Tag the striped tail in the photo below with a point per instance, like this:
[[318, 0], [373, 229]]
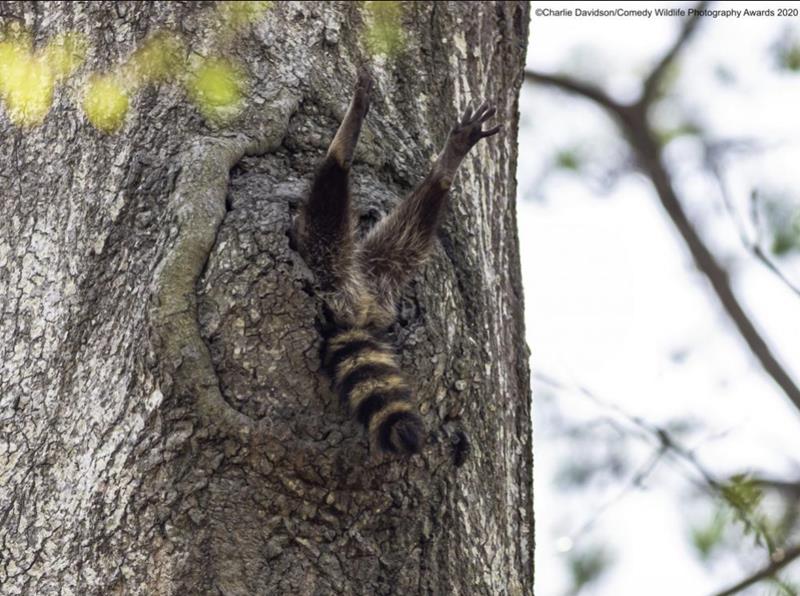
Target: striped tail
[[369, 382]]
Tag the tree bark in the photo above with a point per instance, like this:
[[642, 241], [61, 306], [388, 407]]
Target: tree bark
[[164, 425]]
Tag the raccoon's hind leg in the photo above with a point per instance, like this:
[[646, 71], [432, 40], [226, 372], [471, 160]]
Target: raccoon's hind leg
[[325, 225]]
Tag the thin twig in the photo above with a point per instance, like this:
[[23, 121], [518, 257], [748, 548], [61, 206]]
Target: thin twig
[[660, 435], [752, 246], [636, 480], [779, 559], [668, 445]]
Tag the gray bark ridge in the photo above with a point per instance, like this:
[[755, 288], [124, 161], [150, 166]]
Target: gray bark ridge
[[164, 426]]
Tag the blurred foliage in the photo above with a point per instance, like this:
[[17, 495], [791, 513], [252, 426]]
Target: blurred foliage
[[65, 53], [784, 588], [782, 216], [105, 102], [665, 135], [587, 566], [160, 58], [598, 162], [384, 34], [708, 538], [668, 82], [230, 18], [213, 81], [217, 88], [568, 159], [725, 74], [786, 50], [28, 86], [744, 495], [106, 98], [783, 243], [28, 78], [236, 14]]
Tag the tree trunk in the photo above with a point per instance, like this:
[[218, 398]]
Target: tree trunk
[[164, 424]]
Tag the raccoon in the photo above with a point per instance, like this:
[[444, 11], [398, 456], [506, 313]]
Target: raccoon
[[361, 280]]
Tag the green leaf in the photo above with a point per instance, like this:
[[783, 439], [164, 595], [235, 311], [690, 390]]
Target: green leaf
[[567, 159], [784, 243], [706, 539], [683, 130], [782, 221], [786, 51], [587, 566], [742, 493], [785, 588]]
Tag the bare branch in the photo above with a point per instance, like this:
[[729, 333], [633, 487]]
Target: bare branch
[[656, 76], [599, 96], [586, 90], [779, 559], [789, 489], [643, 141], [648, 152]]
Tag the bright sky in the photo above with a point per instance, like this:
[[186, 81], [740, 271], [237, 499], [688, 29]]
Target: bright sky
[[614, 303]]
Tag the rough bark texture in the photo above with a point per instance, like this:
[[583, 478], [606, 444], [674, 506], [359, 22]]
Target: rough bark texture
[[164, 428]]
